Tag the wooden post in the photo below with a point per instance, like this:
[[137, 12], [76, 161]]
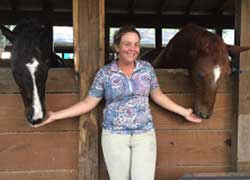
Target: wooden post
[[88, 21], [158, 37], [219, 31], [107, 49], [243, 150], [235, 90]]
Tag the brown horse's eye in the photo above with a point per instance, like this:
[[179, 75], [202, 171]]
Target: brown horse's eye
[[199, 77]]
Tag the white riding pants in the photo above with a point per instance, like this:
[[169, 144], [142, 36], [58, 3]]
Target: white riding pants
[[129, 157]]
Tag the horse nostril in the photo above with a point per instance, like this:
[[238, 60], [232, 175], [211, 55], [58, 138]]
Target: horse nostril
[[203, 115], [200, 115], [29, 116], [36, 121]]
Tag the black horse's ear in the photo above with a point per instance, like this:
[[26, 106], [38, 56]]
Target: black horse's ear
[[7, 33]]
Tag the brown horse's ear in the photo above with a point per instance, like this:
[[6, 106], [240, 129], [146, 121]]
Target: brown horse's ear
[[235, 50]]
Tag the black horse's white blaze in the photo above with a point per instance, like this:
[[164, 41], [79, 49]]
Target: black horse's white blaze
[[36, 104]]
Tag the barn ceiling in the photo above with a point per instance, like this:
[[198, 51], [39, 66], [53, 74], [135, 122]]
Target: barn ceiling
[[139, 12], [171, 13], [59, 11], [178, 7]]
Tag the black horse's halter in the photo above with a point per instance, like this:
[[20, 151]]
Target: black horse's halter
[[238, 71]]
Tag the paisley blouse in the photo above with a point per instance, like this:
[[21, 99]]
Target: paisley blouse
[[127, 108]]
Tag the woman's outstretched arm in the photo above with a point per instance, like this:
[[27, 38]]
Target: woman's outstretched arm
[[165, 102], [77, 109]]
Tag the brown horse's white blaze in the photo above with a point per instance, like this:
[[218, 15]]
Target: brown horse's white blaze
[[36, 104], [205, 87], [216, 73]]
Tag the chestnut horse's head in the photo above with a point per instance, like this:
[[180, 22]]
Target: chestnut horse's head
[[206, 57], [31, 55], [209, 67]]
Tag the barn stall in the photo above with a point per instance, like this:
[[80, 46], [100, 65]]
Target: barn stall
[[69, 149]]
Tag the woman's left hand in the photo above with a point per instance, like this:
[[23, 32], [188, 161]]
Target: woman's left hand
[[190, 116]]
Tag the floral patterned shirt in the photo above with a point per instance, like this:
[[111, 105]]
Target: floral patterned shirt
[[127, 108]]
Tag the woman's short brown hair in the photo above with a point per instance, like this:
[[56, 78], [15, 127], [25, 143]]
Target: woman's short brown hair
[[123, 30]]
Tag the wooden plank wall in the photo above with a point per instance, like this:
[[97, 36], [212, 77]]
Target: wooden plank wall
[[49, 152]]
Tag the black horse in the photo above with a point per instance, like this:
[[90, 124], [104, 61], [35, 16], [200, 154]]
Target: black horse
[[31, 57]]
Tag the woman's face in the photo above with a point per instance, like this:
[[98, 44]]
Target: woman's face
[[129, 47]]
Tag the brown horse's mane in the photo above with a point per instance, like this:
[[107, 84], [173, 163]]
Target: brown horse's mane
[[190, 41]]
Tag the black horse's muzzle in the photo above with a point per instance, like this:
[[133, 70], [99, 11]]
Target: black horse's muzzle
[[31, 119]]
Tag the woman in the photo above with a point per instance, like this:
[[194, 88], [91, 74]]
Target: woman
[[128, 135]]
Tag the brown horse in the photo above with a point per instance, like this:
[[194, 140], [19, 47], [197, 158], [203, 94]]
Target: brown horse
[[206, 57]]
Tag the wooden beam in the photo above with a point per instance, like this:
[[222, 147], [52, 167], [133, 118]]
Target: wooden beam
[[189, 7], [89, 48], [65, 18], [47, 7], [243, 150], [107, 46], [235, 89], [219, 31], [162, 6], [13, 4], [131, 6], [158, 37], [56, 18], [171, 21], [220, 7]]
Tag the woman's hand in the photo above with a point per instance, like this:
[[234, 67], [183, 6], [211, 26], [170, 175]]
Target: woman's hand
[[190, 116], [49, 119]]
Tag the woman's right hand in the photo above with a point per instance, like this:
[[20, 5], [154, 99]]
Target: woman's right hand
[[49, 119], [190, 116]]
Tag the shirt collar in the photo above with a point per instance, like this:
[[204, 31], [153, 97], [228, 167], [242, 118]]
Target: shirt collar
[[138, 65]]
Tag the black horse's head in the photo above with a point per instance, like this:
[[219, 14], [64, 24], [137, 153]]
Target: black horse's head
[[31, 56]]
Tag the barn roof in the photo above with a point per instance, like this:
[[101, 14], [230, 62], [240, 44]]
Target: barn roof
[[139, 12], [177, 7]]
